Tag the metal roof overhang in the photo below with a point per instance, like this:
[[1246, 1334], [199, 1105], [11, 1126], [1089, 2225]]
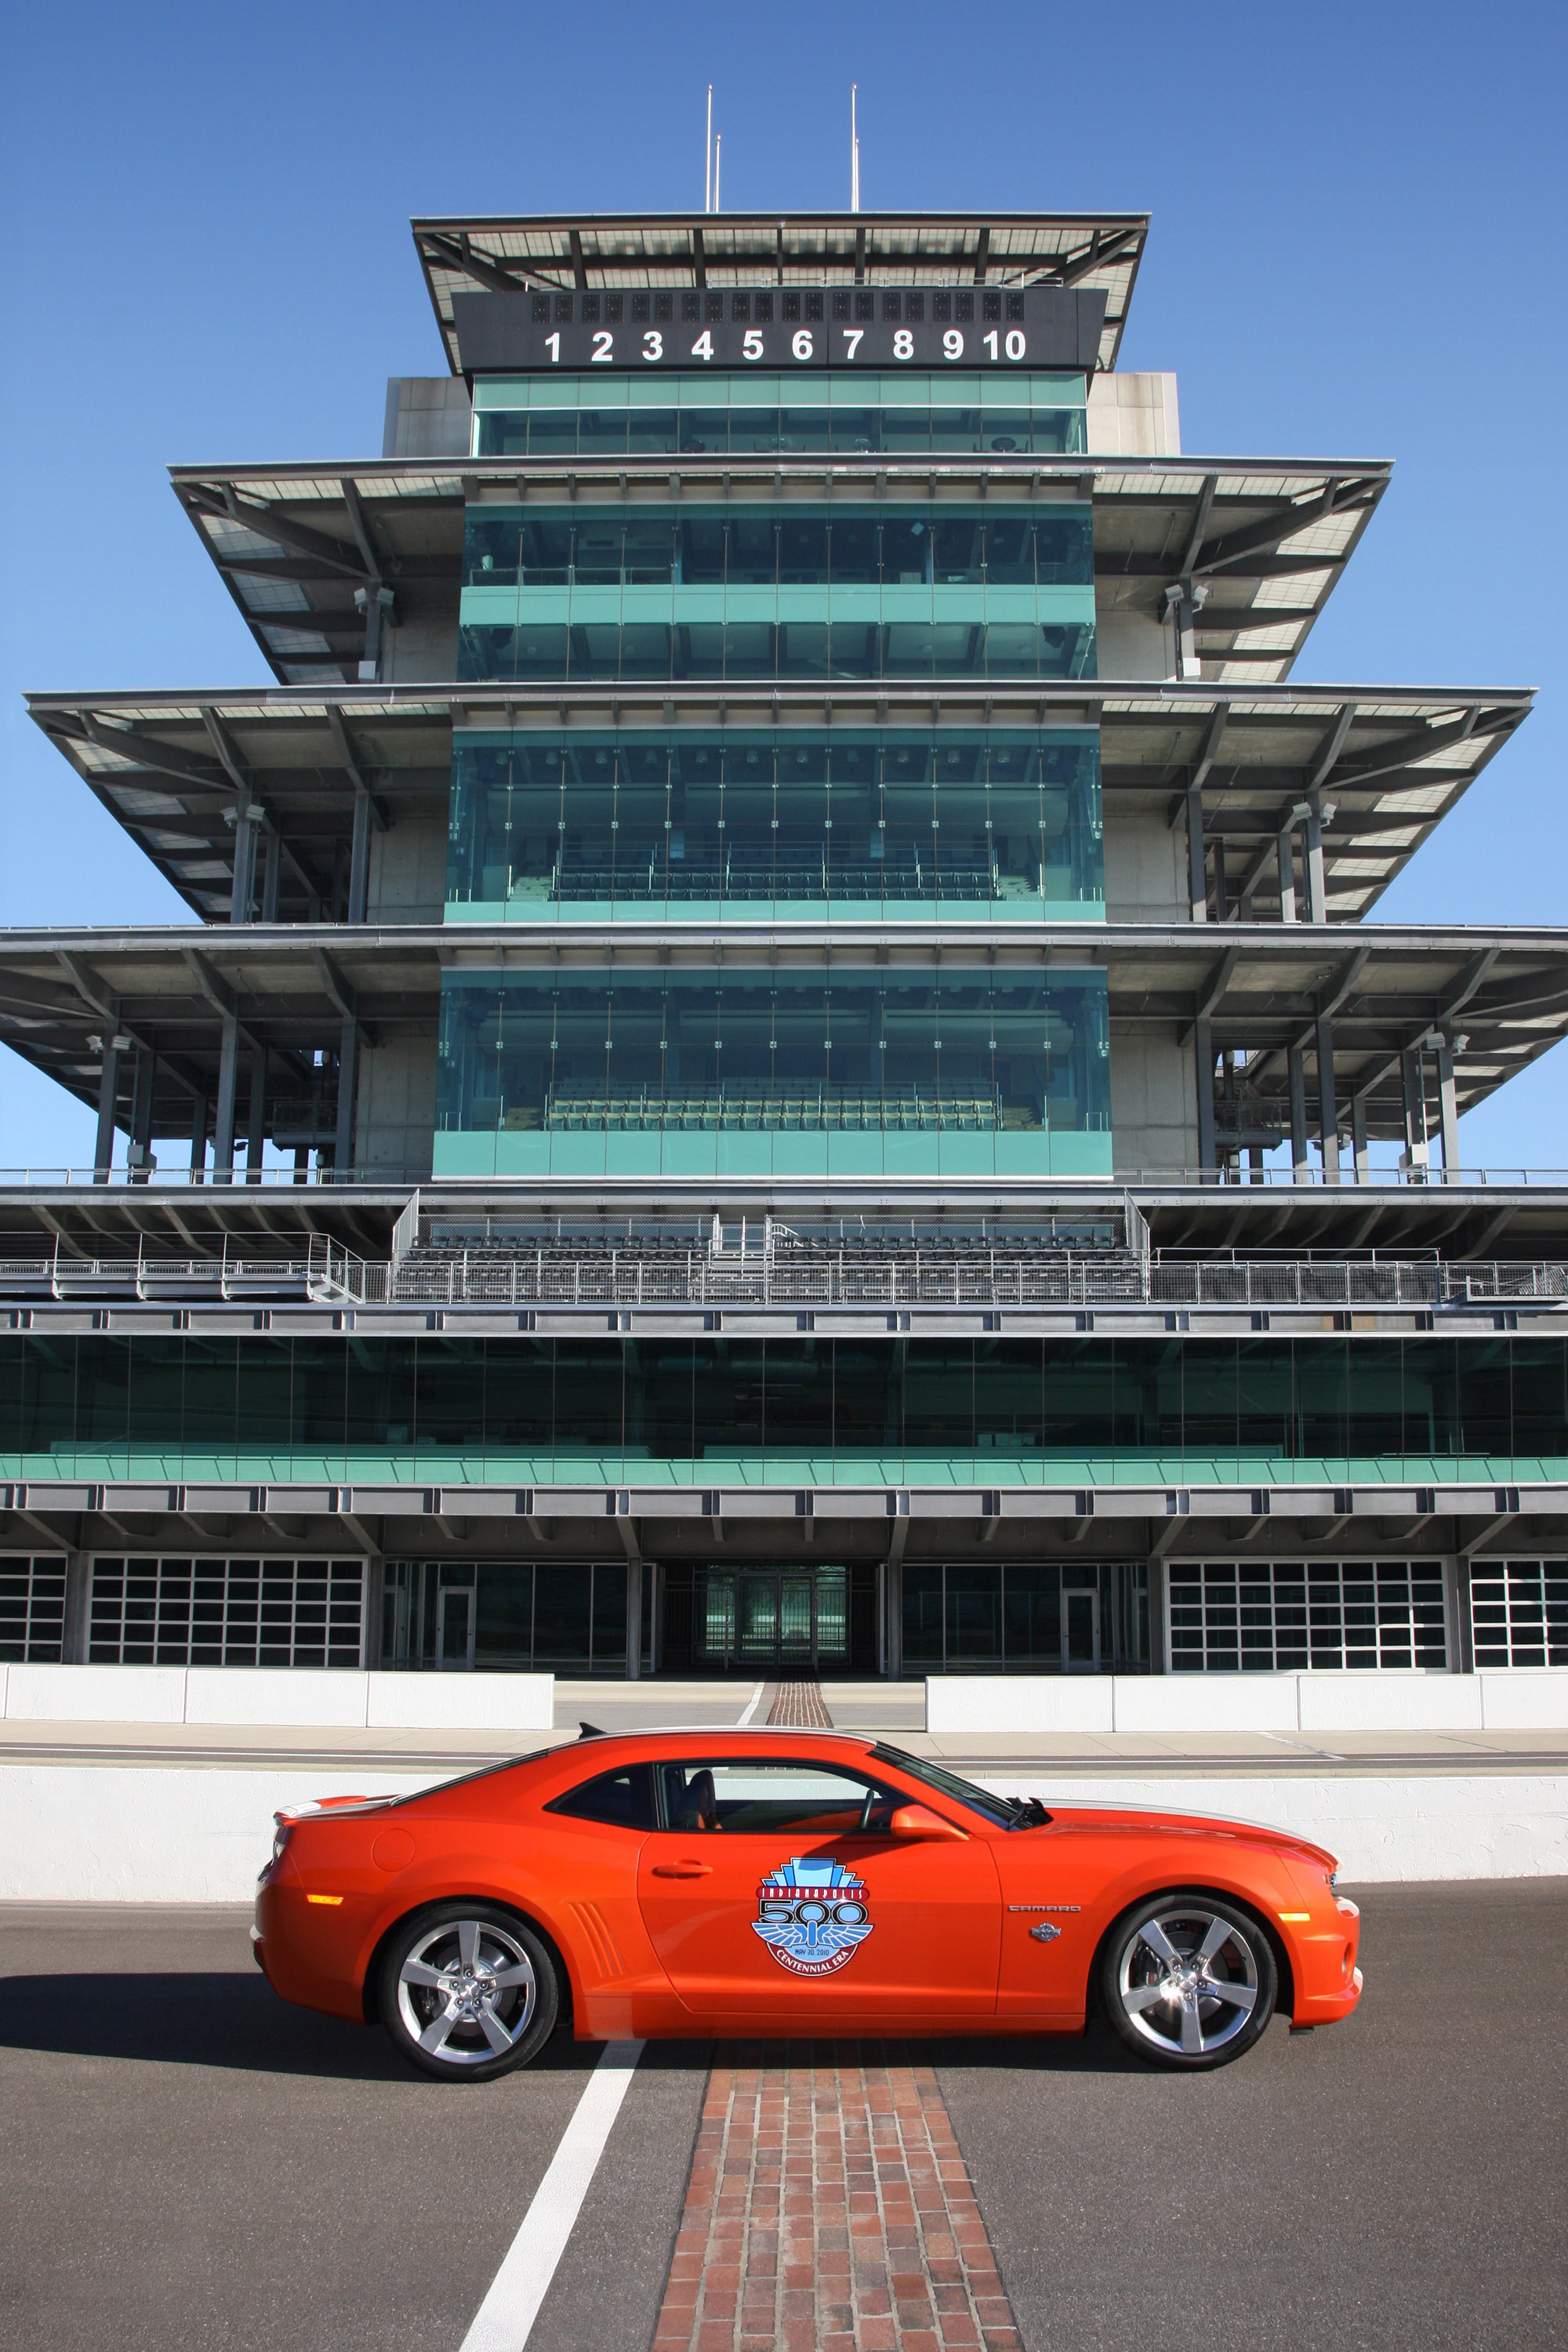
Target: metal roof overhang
[[1500, 997], [567, 252], [168, 767], [1266, 539]]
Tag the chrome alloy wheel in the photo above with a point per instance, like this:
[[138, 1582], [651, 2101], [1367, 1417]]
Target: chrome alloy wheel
[[467, 1992], [1188, 1981]]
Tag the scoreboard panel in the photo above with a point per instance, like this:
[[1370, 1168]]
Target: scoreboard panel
[[779, 328]]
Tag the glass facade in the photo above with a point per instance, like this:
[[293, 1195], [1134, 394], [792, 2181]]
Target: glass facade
[[622, 594], [208, 1612], [508, 1616], [801, 1411], [1028, 1617], [899, 416], [730, 1072], [32, 1608], [1519, 1611], [769, 826], [1285, 1616]]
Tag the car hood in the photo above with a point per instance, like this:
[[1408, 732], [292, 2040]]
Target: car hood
[[1107, 1822]]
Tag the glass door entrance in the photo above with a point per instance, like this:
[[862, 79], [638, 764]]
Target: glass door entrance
[[1080, 1633], [768, 1621]]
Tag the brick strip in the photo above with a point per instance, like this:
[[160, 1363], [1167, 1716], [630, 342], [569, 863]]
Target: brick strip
[[829, 2210], [800, 1706]]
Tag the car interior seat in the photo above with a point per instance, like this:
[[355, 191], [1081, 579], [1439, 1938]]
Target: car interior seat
[[701, 1808]]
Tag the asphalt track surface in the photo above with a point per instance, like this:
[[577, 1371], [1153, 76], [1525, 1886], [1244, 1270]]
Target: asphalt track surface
[[186, 2163]]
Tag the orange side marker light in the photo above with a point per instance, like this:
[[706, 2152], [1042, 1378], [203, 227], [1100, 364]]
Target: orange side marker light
[[324, 1898]]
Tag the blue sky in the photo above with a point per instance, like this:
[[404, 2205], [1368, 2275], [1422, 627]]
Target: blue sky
[[1356, 252]]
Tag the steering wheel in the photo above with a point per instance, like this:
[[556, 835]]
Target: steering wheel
[[867, 1809]]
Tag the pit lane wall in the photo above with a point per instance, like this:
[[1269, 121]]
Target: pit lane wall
[[332, 1698], [1517, 1699], [136, 1833]]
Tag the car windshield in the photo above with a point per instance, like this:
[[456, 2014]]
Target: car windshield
[[1005, 1812]]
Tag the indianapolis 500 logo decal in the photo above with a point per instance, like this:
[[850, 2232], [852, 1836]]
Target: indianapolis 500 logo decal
[[811, 1913]]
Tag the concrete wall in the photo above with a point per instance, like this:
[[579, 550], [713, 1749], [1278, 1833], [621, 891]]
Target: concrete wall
[[1325, 1702], [1127, 644], [277, 1696], [407, 877], [419, 652], [1133, 416], [1145, 861], [1379, 1827], [1154, 1098], [395, 1114], [134, 1833], [427, 417]]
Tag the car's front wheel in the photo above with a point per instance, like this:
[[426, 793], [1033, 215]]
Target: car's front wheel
[[1188, 1980], [467, 1992]]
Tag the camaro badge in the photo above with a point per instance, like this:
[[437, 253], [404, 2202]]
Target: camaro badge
[[811, 1913]]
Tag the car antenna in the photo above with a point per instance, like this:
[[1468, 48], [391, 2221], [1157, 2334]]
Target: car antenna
[[589, 1730]]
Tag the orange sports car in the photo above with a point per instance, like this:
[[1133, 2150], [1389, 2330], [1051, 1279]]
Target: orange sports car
[[678, 1882]]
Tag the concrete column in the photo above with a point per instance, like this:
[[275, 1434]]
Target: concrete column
[[1221, 888], [1413, 1073], [634, 1620], [108, 1086], [1295, 1063], [358, 856], [895, 1618], [1358, 1139], [1203, 1065], [255, 1118], [1328, 1107], [1158, 1659], [244, 863], [1449, 1112], [228, 1081], [348, 1081], [274, 871], [370, 1630], [1287, 877], [198, 1139], [1197, 864], [79, 1608], [140, 1143], [1317, 893]]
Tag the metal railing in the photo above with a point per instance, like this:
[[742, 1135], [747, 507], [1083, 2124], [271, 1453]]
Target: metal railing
[[327, 1274], [971, 1278], [975, 1279], [1138, 1179]]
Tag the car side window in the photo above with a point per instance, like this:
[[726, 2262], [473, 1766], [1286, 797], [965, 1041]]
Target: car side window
[[623, 1799], [751, 1798]]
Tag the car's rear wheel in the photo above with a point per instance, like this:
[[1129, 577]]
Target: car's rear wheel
[[1188, 1980], [467, 1992]]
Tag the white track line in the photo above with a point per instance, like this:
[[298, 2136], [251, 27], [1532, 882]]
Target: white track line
[[504, 2321], [755, 1703]]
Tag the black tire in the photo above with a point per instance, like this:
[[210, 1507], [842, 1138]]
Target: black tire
[[1220, 1965], [480, 1973]]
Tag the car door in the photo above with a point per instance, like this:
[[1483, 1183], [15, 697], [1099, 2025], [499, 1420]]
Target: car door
[[777, 1891]]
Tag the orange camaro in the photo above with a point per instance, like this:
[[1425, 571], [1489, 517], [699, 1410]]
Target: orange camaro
[[680, 1883]]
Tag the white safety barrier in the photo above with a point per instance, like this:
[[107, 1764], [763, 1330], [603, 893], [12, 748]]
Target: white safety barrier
[[1381, 1827], [287, 1696], [1517, 1700], [135, 1834]]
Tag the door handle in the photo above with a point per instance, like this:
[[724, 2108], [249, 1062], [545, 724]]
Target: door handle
[[683, 1870]]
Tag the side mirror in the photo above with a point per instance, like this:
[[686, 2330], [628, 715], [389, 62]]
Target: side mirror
[[919, 1821]]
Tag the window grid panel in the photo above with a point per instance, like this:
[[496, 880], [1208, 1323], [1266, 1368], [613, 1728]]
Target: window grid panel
[[221, 1612], [1518, 1612], [1293, 1616], [32, 1608]]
